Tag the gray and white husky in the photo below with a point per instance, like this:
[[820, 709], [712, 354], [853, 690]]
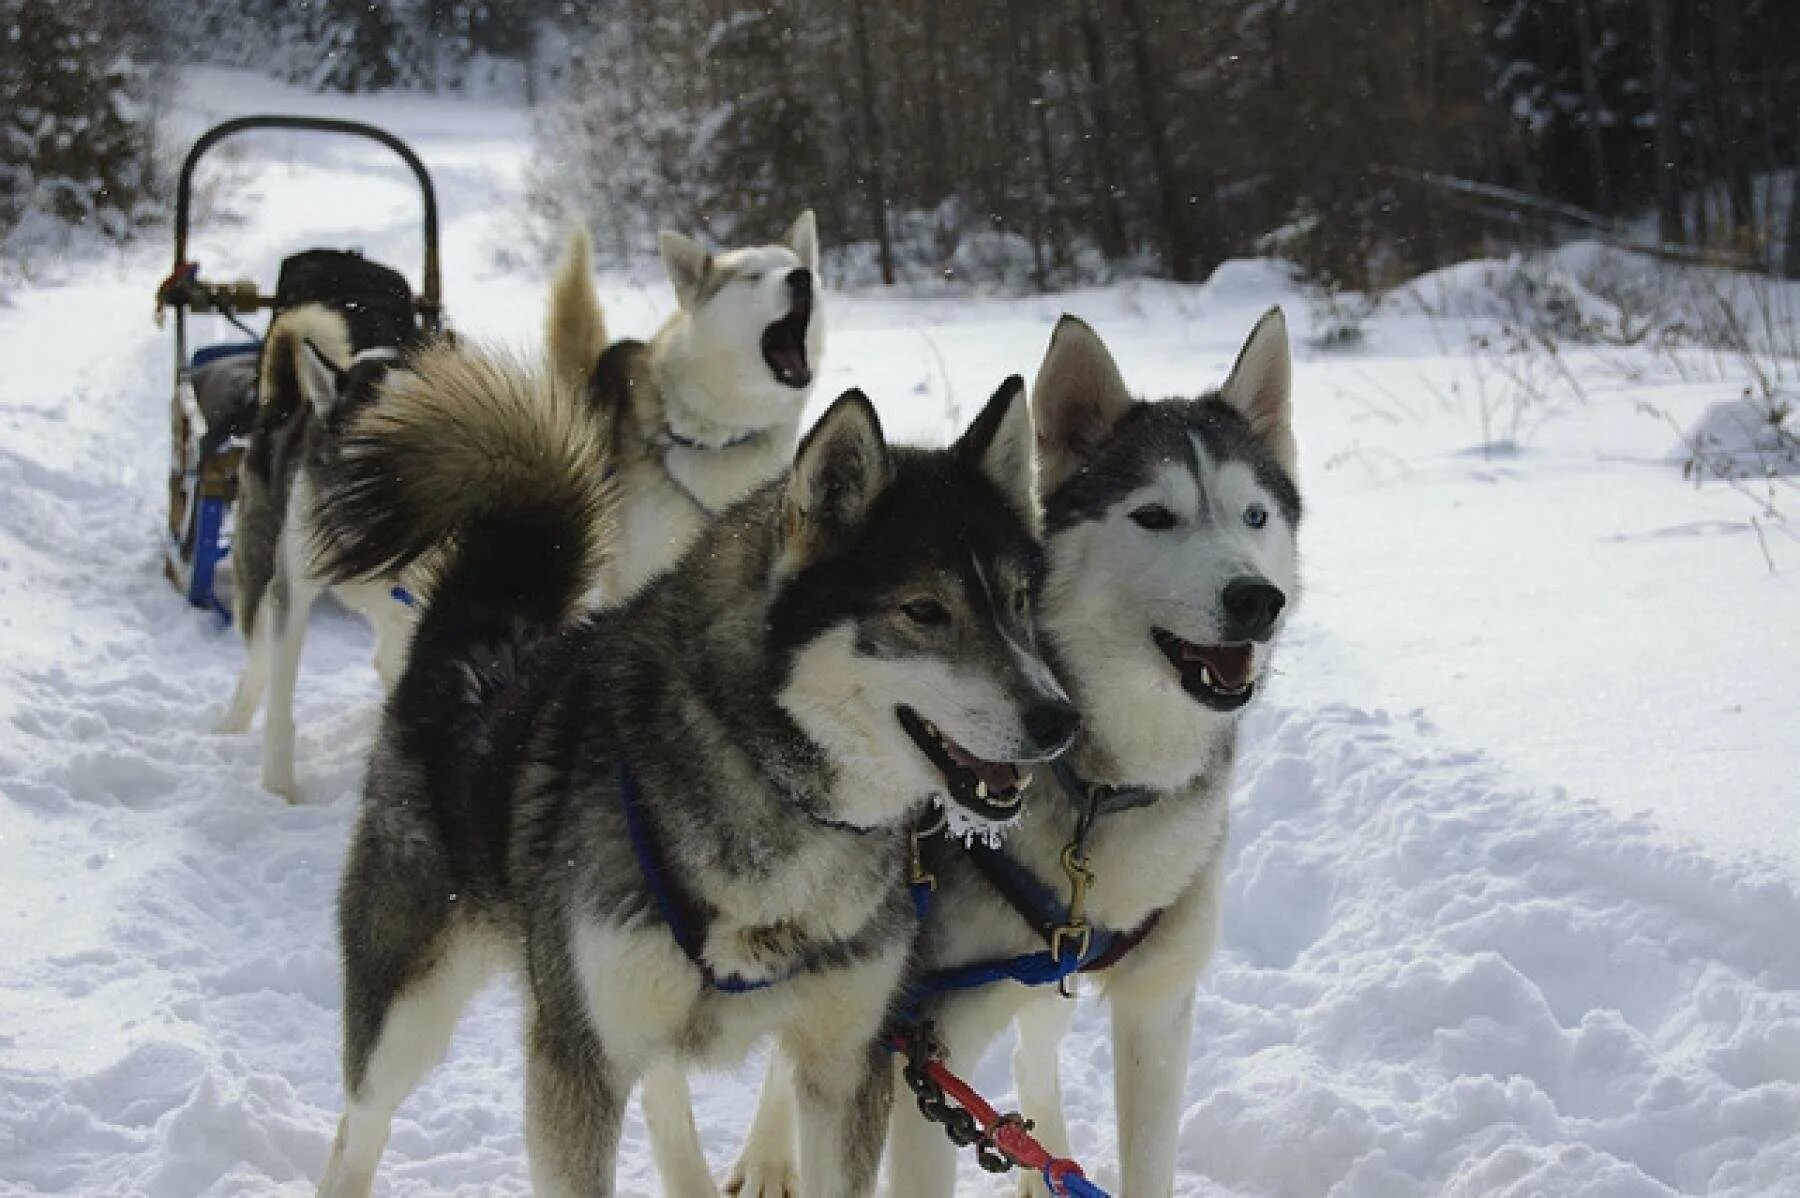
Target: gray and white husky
[[1170, 540], [310, 385], [708, 409], [682, 820]]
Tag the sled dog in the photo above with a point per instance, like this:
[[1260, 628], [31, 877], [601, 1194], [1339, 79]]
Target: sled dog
[[682, 820], [708, 409], [1170, 541], [310, 387]]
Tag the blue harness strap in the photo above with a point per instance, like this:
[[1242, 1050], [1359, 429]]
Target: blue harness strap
[[1074, 945], [676, 910]]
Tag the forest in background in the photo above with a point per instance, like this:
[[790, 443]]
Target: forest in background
[[1026, 145]]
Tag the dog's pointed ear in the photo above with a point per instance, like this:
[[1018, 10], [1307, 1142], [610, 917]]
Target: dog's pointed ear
[[840, 469], [1261, 387], [803, 239], [320, 378], [1077, 399], [686, 262], [999, 444]]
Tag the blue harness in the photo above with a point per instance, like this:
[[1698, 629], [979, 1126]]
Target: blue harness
[[678, 911], [1072, 943]]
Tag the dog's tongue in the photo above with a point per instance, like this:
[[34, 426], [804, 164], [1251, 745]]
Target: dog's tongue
[[1000, 776], [1230, 664]]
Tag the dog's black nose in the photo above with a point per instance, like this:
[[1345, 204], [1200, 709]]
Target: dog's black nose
[[799, 282], [1052, 725], [1251, 607]]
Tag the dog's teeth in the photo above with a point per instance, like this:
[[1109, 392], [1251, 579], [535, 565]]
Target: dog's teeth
[[1206, 676], [981, 790]]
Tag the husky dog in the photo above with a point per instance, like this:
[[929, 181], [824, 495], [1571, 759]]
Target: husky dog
[[708, 410], [683, 820], [310, 386], [1170, 541]]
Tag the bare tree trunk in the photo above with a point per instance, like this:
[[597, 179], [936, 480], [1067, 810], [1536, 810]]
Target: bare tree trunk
[[1734, 153], [1791, 253], [1590, 86], [1178, 246], [1048, 207], [875, 156], [937, 161], [1668, 154], [1105, 162]]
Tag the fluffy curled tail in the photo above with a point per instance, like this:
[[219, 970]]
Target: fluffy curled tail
[[483, 473], [575, 329], [307, 346]]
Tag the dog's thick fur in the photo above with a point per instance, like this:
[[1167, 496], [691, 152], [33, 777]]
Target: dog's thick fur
[[699, 416], [748, 698], [1108, 463], [310, 385]]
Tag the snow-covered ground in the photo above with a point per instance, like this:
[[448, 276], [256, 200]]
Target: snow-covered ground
[[1515, 881]]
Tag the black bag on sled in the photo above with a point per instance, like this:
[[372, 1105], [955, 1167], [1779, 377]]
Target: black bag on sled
[[375, 299]]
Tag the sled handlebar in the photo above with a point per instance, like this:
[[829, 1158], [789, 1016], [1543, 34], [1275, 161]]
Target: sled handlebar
[[430, 302]]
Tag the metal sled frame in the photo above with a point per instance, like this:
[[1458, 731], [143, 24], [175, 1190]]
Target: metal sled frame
[[202, 486]]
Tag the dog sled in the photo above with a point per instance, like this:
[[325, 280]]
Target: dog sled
[[214, 404]]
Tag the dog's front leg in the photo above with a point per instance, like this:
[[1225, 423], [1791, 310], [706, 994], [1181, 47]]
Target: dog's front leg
[[674, 1140], [393, 637], [1042, 1022], [1152, 995], [765, 1168], [842, 1095], [251, 683], [921, 1159], [288, 605]]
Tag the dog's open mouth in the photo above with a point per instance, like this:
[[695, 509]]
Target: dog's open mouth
[[1217, 675], [989, 789], [784, 348]]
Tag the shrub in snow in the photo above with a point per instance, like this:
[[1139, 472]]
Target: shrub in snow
[[75, 128]]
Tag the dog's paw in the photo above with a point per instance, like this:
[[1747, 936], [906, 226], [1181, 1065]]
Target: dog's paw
[[763, 1178], [282, 786], [1031, 1185], [233, 722]]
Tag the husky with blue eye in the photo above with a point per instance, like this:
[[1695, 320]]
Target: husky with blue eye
[[682, 820], [1170, 541], [709, 408]]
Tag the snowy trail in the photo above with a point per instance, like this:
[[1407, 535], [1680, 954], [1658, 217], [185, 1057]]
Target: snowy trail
[[1441, 974]]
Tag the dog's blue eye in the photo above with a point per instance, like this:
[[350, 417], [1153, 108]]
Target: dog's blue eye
[[1154, 516], [927, 613], [1256, 515]]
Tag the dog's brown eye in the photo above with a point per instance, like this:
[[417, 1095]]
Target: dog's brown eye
[[1154, 516], [927, 613]]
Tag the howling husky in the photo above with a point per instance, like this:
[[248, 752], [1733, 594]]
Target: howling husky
[[683, 819], [708, 409]]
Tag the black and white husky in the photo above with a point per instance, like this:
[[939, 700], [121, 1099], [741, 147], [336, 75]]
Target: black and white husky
[[1170, 540], [682, 820], [708, 409], [310, 386]]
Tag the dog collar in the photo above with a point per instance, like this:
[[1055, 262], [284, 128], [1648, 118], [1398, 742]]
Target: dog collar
[[684, 442], [1096, 799]]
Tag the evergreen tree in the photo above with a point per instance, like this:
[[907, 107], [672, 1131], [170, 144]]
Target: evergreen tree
[[75, 138]]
